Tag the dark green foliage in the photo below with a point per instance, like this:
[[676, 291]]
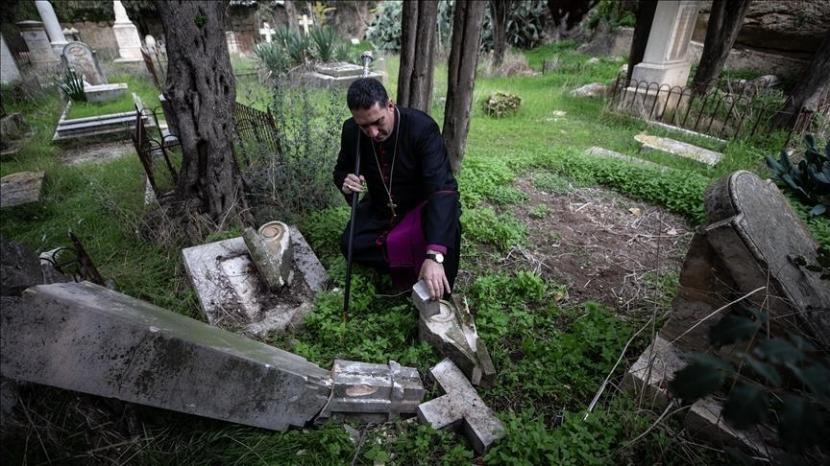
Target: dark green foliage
[[525, 25], [809, 180], [385, 29], [72, 85], [501, 104], [786, 383], [325, 41]]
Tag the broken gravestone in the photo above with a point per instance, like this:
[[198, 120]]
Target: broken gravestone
[[87, 338], [374, 393], [19, 268], [233, 294], [272, 253], [21, 188], [461, 405], [680, 149], [449, 327], [753, 239]]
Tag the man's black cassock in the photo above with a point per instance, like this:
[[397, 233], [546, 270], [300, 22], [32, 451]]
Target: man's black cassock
[[421, 173]]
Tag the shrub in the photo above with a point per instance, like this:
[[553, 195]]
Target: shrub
[[72, 85], [810, 179], [325, 43], [385, 29], [273, 57], [501, 104]]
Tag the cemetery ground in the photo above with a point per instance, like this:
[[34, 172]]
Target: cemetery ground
[[565, 259]]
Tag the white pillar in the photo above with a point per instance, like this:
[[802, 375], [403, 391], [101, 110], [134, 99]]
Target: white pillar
[[126, 35], [51, 24], [666, 59], [9, 72]]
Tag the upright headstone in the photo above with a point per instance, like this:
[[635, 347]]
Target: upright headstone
[[126, 35], [52, 25], [666, 60], [233, 43], [9, 72], [82, 58], [41, 55]]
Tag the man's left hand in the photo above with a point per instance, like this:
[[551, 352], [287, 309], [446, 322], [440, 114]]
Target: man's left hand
[[436, 279]]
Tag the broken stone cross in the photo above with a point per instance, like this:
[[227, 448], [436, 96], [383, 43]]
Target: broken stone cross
[[449, 327], [461, 404]]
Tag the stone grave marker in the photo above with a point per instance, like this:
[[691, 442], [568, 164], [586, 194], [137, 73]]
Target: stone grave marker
[[267, 32], [233, 293], [21, 188], [460, 405], [82, 58], [41, 55], [305, 23], [337, 75], [449, 327], [680, 149], [233, 43], [19, 268], [87, 338], [126, 35], [9, 72], [753, 238]]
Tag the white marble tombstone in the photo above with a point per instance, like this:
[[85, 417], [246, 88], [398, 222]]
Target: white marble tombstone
[[666, 59], [52, 26], [9, 72], [233, 43], [126, 35]]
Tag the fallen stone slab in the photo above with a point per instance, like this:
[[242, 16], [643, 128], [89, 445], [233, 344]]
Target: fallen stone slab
[[461, 406], [87, 338], [753, 239], [595, 151], [233, 294], [449, 327], [680, 149], [705, 420], [19, 268], [21, 188], [653, 371], [372, 392], [590, 90]]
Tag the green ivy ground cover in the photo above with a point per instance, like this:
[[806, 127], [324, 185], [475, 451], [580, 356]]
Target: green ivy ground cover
[[551, 360]]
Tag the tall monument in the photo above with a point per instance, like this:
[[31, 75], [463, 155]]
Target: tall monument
[[126, 35]]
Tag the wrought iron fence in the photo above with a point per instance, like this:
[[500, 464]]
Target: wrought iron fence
[[258, 126], [716, 113]]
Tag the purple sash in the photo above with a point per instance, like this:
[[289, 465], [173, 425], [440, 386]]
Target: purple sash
[[406, 248]]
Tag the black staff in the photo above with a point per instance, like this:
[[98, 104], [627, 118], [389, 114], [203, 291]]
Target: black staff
[[367, 60]]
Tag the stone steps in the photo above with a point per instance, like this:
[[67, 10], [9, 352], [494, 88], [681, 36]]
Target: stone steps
[[679, 149]]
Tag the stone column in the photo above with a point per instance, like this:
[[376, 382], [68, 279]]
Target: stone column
[[126, 35], [9, 72], [666, 59], [53, 27]]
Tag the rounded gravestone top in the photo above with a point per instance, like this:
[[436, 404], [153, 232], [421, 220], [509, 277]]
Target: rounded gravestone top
[[273, 229]]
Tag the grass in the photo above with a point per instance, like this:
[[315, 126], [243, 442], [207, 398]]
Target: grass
[[136, 84], [551, 359]]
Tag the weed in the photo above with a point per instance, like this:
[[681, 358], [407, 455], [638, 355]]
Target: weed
[[539, 212], [486, 226]]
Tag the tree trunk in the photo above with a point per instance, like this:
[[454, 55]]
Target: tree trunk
[[466, 38], [807, 94], [418, 25], [725, 20], [202, 92], [642, 28], [499, 13]]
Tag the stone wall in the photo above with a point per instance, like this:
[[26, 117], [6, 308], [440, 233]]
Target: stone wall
[[99, 36]]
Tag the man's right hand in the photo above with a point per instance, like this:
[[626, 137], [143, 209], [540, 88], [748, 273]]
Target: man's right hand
[[353, 184]]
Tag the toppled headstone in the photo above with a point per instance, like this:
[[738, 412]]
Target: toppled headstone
[[610, 154], [19, 268], [272, 253], [233, 294], [449, 327], [680, 149], [86, 338], [373, 392], [753, 240], [460, 405], [21, 188], [590, 90]]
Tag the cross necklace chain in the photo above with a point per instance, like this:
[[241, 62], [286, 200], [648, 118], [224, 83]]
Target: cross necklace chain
[[391, 205]]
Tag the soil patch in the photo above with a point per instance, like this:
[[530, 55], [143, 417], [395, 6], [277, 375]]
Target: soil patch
[[603, 246]]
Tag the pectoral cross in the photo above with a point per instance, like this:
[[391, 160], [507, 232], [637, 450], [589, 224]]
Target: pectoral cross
[[392, 206]]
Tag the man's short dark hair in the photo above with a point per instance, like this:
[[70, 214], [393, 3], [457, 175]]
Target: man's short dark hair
[[366, 92]]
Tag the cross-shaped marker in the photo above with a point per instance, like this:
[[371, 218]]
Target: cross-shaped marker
[[266, 31], [461, 404], [305, 22]]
